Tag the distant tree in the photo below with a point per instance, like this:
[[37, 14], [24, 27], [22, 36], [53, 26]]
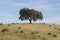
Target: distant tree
[[30, 14]]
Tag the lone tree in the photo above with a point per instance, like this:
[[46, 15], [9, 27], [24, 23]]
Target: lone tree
[[30, 14]]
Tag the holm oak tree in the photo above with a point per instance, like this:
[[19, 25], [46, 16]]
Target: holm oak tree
[[30, 14]]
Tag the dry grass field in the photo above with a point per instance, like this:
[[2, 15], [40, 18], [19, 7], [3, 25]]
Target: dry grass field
[[29, 32]]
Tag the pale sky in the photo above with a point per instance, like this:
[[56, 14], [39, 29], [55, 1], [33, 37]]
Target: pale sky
[[9, 10]]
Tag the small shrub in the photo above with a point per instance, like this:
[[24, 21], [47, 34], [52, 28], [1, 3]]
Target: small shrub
[[44, 38], [50, 25], [55, 28], [32, 33], [58, 29], [22, 31], [34, 38], [38, 36], [15, 31], [8, 24], [5, 30], [19, 27], [54, 35], [36, 32], [54, 24], [49, 33], [43, 23], [13, 23]]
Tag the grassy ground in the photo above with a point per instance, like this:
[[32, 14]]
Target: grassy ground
[[29, 32]]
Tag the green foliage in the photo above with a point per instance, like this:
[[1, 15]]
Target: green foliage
[[13, 23], [15, 31], [30, 14], [58, 29], [32, 33], [19, 27], [8, 24], [50, 25], [49, 33], [36, 32], [54, 35], [4, 30], [22, 31]]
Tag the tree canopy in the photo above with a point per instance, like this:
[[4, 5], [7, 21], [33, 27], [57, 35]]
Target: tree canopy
[[30, 14]]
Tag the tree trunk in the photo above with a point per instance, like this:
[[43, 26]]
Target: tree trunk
[[30, 21]]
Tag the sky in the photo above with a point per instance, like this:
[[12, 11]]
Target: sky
[[9, 10]]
